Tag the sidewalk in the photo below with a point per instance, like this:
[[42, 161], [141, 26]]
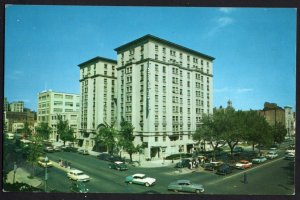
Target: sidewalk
[[21, 176]]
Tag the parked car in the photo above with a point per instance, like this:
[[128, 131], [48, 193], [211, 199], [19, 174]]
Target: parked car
[[212, 166], [185, 186], [272, 155], [140, 179], [43, 163], [69, 149], [77, 175], [83, 151], [289, 156], [109, 157], [183, 163], [243, 164], [224, 169], [49, 149], [259, 159], [118, 165], [290, 150], [238, 149], [79, 187], [57, 148]]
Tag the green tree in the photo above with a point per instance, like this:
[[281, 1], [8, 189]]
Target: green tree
[[107, 135], [279, 132], [230, 125], [43, 131], [257, 129], [209, 131], [126, 138], [65, 132], [35, 148], [26, 130]]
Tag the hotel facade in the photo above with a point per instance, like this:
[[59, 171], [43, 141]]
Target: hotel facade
[[163, 90], [98, 80]]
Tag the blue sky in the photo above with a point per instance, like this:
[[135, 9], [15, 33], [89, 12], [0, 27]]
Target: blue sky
[[255, 48]]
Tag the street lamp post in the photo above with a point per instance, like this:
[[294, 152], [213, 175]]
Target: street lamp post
[[46, 174], [15, 170]]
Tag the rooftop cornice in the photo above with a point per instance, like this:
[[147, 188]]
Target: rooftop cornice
[[149, 37], [96, 59]]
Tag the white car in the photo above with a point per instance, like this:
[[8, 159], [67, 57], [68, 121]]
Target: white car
[[140, 179], [77, 175], [290, 151], [271, 155]]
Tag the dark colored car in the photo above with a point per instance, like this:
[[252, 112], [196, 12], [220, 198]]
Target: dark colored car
[[183, 163], [118, 165], [224, 169], [69, 149], [79, 187], [109, 157]]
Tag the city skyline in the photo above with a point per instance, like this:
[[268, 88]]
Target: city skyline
[[255, 57]]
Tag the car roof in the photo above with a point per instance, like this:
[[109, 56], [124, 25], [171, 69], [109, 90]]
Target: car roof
[[138, 175], [75, 171], [118, 162], [244, 161], [183, 181]]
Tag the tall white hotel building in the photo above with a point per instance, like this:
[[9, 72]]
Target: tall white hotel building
[[98, 80], [163, 89]]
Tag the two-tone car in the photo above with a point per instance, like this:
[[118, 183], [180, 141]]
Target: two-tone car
[[259, 159], [118, 165], [43, 163], [243, 164], [185, 186], [77, 175], [272, 155], [140, 179]]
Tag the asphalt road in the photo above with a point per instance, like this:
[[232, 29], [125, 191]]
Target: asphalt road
[[276, 177]]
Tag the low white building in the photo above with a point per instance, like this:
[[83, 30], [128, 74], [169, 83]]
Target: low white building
[[51, 104]]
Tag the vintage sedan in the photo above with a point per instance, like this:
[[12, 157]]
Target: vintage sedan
[[289, 156], [43, 163], [83, 151], [185, 186], [243, 164], [77, 175], [140, 179], [259, 159], [79, 187], [118, 165], [272, 155]]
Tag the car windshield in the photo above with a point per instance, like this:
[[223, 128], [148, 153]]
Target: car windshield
[[80, 173]]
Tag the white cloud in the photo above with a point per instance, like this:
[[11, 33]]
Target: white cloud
[[16, 74], [243, 90], [233, 90], [226, 10], [224, 21]]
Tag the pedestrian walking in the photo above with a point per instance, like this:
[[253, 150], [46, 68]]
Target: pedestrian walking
[[245, 178]]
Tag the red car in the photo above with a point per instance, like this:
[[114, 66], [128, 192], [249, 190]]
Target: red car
[[243, 164]]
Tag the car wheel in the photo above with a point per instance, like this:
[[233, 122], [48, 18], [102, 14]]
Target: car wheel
[[197, 191], [130, 182], [147, 184], [175, 190]]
